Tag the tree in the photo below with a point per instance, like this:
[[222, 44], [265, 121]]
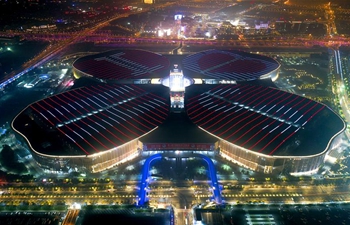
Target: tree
[[9, 160], [335, 167]]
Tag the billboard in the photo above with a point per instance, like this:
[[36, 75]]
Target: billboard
[[178, 17], [177, 146]]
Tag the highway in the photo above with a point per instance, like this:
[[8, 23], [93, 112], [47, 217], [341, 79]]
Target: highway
[[102, 38], [340, 87], [181, 197], [56, 47], [59, 41], [71, 217], [163, 192]]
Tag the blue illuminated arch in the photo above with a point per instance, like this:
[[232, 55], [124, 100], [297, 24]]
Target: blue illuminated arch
[[145, 171], [151, 159]]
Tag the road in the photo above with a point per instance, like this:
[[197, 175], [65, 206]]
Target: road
[[182, 197], [165, 192], [340, 86], [60, 41], [71, 217], [55, 48]]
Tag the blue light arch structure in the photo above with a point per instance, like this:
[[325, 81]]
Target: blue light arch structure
[[153, 158], [144, 182]]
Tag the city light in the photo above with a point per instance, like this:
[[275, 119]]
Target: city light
[[194, 112]]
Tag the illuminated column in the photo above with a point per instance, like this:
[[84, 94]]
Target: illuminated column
[[176, 80]]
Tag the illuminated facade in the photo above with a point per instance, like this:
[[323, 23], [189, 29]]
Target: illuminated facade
[[265, 129], [103, 125], [91, 128], [177, 83], [149, 1], [295, 165], [92, 163]]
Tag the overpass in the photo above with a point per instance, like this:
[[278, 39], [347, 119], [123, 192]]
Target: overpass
[[153, 158]]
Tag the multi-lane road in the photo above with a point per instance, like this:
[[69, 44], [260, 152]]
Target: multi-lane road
[[183, 198], [56, 47], [166, 192], [71, 217], [59, 41]]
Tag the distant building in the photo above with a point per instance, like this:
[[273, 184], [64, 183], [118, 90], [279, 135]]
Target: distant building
[[149, 1], [227, 28]]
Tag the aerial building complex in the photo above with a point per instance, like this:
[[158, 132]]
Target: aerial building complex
[[210, 101]]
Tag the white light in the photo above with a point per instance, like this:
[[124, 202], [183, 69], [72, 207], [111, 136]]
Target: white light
[[76, 206]]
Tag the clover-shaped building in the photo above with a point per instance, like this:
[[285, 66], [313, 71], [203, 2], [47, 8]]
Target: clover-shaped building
[[222, 102]]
